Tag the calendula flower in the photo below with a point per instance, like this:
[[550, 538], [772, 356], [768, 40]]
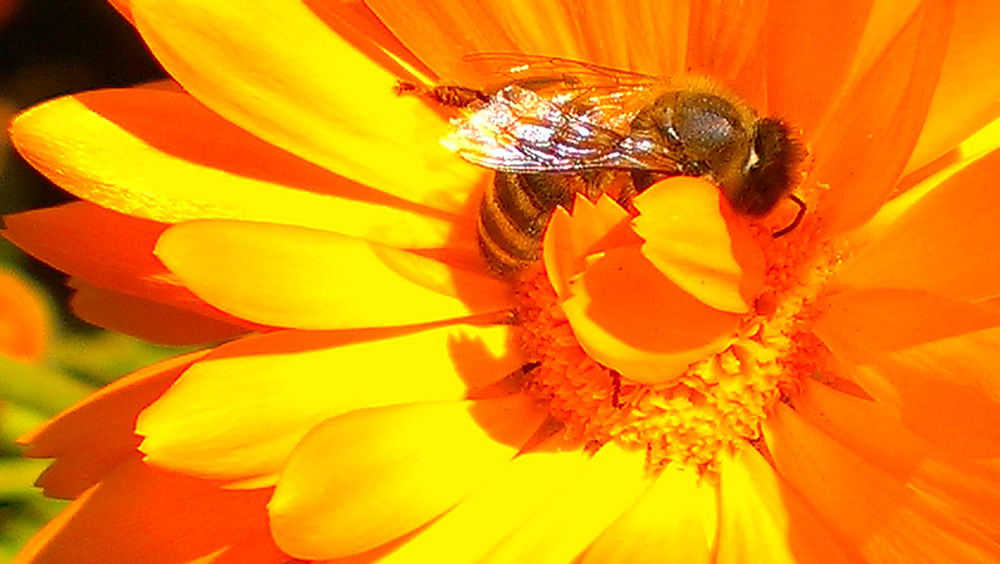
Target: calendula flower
[[670, 383]]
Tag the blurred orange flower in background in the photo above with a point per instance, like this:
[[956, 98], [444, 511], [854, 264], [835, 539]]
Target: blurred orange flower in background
[[673, 387]]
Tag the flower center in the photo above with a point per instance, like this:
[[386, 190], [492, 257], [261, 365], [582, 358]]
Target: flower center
[[716, 406]]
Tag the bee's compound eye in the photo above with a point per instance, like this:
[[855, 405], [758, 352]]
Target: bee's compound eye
[[708, 122]]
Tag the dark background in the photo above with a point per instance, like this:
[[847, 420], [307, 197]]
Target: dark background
[[50, 48]]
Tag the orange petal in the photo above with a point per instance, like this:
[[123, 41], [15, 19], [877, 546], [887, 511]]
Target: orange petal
[[944, 243], [277, 70], [760, 515], [140, 514], [94, 436], [722, 35], [864, 144], [25, 323], [649, 37], [109, 250], [151, 321], [970, 487], [440, 33], [124, 7], [809, 50], [499, 507], [297, 277], [673, 521], [164, 156], [628, 316], [279, 386], [577, 511], [689, 240], [968, 95], [939, 356], [879, 516], [364, 478]]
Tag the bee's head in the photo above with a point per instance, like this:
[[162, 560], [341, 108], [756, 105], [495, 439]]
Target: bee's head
[[773, 166]]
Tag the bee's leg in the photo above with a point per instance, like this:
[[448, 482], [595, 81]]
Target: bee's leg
[[795, 222], [451, 96]]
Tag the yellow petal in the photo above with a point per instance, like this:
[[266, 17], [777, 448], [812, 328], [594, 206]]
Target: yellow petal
[[760, 515], [576, 513], [369, 476], [501, 505], [91, 438], [296, 277], [674, 521], [880, 517], [161, 155], [279, 386], [944, 243], [276, 69]]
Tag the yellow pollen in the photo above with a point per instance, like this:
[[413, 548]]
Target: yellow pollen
[[715, 407]]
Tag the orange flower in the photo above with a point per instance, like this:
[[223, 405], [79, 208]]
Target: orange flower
[[25, 324], [664, 387]]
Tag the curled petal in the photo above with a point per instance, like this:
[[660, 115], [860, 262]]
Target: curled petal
[[691, 242], [569, 239], [630, 317]]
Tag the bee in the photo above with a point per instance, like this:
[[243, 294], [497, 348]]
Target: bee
[[554, 127]]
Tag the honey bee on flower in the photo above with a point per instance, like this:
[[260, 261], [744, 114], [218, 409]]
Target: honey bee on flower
[[555, 127]]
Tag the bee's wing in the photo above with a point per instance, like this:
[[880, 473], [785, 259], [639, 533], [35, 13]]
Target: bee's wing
[[521, 131], [539, 72]]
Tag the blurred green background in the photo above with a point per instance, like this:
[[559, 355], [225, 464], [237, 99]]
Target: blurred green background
[[49, 48]]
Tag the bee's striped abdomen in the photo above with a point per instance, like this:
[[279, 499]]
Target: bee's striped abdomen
[[514, 213]]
